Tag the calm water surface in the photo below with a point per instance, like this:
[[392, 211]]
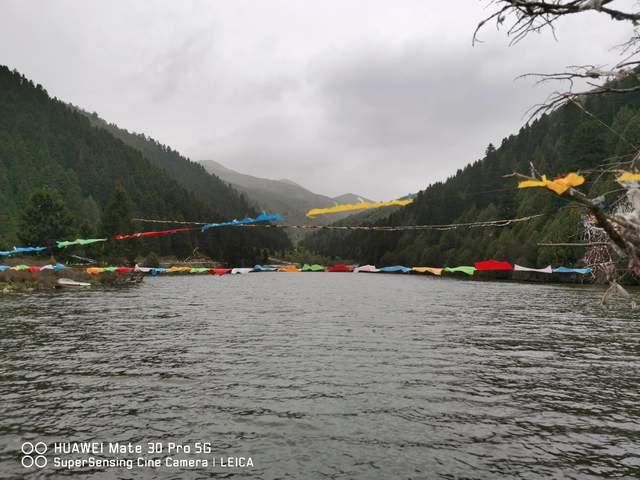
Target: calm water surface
[[328, 376]]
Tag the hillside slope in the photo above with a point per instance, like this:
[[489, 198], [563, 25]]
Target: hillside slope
[[192, 176], [45, 142], [564, 141], [209, 189]]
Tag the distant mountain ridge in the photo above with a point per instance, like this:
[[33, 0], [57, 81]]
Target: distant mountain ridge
[[350, 198], [282, 196]]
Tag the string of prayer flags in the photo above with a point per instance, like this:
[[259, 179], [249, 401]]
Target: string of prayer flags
[[262, 218], [497, 268]]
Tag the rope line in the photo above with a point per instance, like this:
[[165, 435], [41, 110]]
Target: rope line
[[396, 228]]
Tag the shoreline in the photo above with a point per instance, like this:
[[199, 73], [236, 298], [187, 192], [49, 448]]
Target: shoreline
[[14, 282]]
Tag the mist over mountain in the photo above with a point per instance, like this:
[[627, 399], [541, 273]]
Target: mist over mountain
[[283, 196]]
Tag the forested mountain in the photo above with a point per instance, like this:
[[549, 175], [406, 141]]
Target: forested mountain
[[45, 142], [564, 141], [284, 196], [209, 188]]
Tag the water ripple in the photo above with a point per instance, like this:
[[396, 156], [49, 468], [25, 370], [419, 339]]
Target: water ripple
[[329, 376]]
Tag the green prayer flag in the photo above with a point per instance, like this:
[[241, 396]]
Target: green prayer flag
[[313, 268], [80, 241], [466, 270]]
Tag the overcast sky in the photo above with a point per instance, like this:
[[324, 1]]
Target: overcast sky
[[374, 97]]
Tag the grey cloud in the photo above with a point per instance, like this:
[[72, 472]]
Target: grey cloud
[[391, 119], [180, 62], [402, 97], [369, 96]]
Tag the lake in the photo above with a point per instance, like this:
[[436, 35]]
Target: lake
[[316, 376]]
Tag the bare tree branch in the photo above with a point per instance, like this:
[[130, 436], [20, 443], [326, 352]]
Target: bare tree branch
[[612, 235], [533, 16]]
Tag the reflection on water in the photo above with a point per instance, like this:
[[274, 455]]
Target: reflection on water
[[329, 376]]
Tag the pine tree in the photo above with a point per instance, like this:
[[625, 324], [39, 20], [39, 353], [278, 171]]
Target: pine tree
[[46, 219], [117, 220]]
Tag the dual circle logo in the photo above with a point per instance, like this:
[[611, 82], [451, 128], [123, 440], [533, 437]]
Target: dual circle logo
[[33, 455]]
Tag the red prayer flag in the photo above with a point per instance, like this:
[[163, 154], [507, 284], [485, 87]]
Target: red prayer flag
[[151, 234], [340, 268], [219, 271], [493, 266]]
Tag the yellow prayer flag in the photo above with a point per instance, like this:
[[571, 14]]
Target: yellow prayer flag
[[432, 270], [354, 207], [559, 185], [629, 177]]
